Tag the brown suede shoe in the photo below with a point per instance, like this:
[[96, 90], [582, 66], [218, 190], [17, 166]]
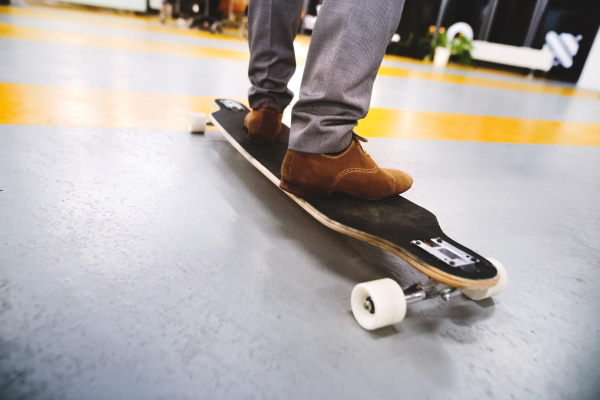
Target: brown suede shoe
[[263, 126], [352, 172]]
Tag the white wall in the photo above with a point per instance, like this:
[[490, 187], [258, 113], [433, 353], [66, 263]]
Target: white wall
[[590, 76], [133, 5]]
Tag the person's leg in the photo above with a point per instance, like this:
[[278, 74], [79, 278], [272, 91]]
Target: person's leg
[[272, 27], [345, 53]]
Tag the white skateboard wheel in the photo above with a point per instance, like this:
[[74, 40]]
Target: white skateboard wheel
[[494, 290], [378, 303], [197, 122]]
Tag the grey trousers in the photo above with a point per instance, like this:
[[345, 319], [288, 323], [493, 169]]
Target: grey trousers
[[346, 49]]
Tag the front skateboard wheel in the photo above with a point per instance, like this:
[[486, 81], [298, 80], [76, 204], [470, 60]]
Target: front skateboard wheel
[[378, 303], [197, 123], [494, 290]]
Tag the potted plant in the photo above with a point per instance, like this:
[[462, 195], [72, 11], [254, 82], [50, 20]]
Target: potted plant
[[441, 49], [459, 45]]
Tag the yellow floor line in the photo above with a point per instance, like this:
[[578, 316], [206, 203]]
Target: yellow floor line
[[22, 104], [79, 107], [151, 24], [408, 124], [488, 83], [472, 68], [129, 22], [100, 41], [117, 43], [56, 36]]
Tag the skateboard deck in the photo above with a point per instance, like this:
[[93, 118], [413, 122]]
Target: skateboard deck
[[394, 224]]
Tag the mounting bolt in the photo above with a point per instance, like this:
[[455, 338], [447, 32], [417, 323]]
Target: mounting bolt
[[369, 306], [439, 240], [417, 242], [452, 263], [445, 296]]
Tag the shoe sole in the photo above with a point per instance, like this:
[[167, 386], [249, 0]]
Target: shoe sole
[[303, 191], [261, 140]]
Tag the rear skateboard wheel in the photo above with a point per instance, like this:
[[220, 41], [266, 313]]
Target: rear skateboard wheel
[[197, 123], [494, 290], [378, 303]]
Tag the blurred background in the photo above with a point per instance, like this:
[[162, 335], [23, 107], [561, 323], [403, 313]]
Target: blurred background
[[512, 23]]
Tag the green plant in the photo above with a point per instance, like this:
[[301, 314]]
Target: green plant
[[441, 40], [459, 46]]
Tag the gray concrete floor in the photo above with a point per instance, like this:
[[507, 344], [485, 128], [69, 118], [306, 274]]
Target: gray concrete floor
[[162, 265], [142, 264]]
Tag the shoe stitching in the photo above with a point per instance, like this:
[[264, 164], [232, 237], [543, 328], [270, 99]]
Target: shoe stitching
[[350, 170]]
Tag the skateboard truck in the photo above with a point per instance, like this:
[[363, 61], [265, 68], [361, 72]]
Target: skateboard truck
[[233, 105], [419, 292], [428, 290], [447, 253]]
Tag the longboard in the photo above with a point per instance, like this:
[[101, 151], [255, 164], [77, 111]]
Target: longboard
[[394, 224]]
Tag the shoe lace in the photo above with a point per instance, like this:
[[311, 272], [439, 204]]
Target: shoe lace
[[359, 139]]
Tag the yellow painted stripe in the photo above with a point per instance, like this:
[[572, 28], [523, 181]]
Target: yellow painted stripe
[[488, 83], [453, 66], [56, 36], [63, 106], [129, 22], [117, 43], [406, 124], [100, 41], [151, 24], [22, 104]]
